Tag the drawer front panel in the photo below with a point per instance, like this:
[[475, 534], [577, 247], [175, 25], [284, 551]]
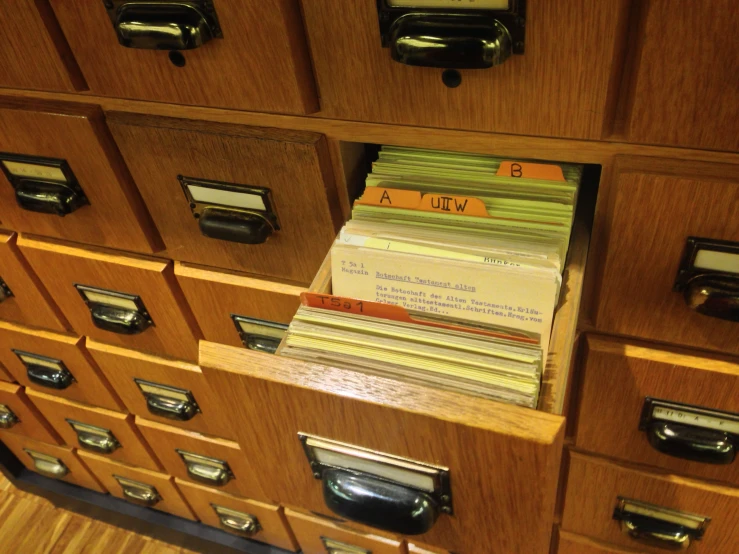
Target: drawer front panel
[[37, 359], [113, 213], [5, 375], [215, 296], [575, 544], [272, 526], [131, 483], [657, 205], [21, 417], [273, 399], [62, 461], [594, 486], [121, 367], [23, 297], [130, 449], [150, 315], [174, 448], [612, 425], [301, 228], [265, 69]]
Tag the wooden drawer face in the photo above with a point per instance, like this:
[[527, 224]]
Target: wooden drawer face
[[424, 549], [311, 530], [77, 473], [594, 485], [114, 214], [169, 498], [358, 79], [274, 529], [214, 296], [183, 451], [38, 56], [575, 544], [149, 286], [159, 149], [45, 350], [121, 367], [5, 376], [267, 69], [130, 449], [27, 420], [657, 205], [610, 424], [680, 94], [27, 302]]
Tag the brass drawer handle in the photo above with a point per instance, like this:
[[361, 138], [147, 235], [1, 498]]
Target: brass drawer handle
[[7, 418], [5, 291], [714, 296], [258, 334], [47, 465], [337, 547], [95, 439], [138, 492], [239, 522], [116, 312], [45, 372], [168, 402], [210, 471]]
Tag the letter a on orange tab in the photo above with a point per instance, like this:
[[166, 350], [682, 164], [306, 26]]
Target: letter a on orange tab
[[528, 170], [391, 198], [446, 204]]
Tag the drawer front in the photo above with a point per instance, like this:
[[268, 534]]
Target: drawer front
[[23, 298], [291, 223], [58, 462], [218, 299], [594, 486], [316, 534], [123, 367], [274, 399], [38, 56], [615, 426], [268, 522], [359, 80], [138, 486], [5, 375], [680, 94], [18, 415], [129, 301], [575, 544], [197, 458], [104, 432], [414, 548], [267, 69], [657, 205], [65, 153], [57, 364]]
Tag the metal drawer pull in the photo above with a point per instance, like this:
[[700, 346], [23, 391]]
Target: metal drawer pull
[[138, 492], [47, 465], [168, 402], [336, 547], [95, 439], [709, 277], [240, 522], [258, 334], [117, 312], [5, 291], [45, 372], [658, 526], [7, 417], [210, 471]]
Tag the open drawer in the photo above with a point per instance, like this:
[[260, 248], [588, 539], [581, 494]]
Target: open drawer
[[490, 470]]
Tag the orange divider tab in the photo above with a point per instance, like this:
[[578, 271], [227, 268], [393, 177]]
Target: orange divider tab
[[528, 170], [429, 202]]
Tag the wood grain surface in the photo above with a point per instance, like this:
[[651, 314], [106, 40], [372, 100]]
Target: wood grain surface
[[31, 423], [105, 469], [505, 447], [265, 69], [295, 166], [60, 266], [274, 527], [90, 387], [657, 205], [414, 548], [78, 473], [309, 529], [76, 133], [165, 440], [593, 487], [30, 304], [576, 544], [215, 295], [133, 450], [36, 55], [637, 371], [5, 375], [121, 367]]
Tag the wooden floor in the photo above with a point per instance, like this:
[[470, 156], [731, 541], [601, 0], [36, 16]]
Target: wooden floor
[[31, 524]]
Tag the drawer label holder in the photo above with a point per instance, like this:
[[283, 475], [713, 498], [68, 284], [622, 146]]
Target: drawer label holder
[[93, 438], [258, 334], [45, 372], [236, 521], [167, 401], [333, 546], [116, 312], [47, 465], [138, 492], [210, 471]]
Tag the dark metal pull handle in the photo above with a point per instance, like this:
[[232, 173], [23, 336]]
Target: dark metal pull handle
[[691, 443], [171, 408], [97, 443], [235, 225], [261, 343], [454, 41], [378, 503], [715, 295], [656, 532], [7, 419], [118, 320], [163, 26], [58, 379], [48, 197]]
